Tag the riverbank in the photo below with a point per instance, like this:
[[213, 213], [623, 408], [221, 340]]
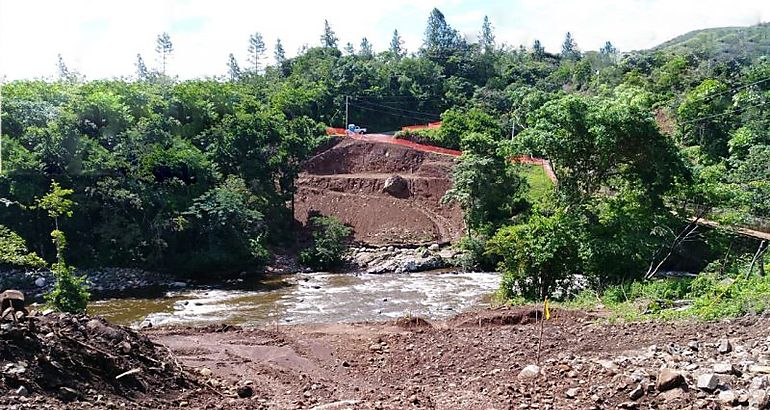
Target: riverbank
[[481, 359], [123, 282]]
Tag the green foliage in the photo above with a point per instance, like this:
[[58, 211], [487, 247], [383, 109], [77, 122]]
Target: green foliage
[[14, 252], [330, 238], [538, 257], [70, 293], [721, 291], [56, 202], [485, 185]]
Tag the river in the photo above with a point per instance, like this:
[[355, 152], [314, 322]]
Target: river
[[308, 298]]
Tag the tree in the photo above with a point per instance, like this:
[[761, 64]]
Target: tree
[[569, 48], [441, 40], [69, 294], [64, 72], [702, 121], [279, 53], [349, 49], [487, 36], [256, 49], [14, 253], [609, 53], [232, 68], [366, 50], [610, 143], [328, 38], [538, 257], [397, 46], [164, 48], [538, 51], [329, 243], [484, 184], [142, 73]]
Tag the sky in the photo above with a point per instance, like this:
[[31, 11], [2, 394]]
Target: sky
[[101, 38]]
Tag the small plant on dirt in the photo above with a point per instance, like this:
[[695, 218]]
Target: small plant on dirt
[[69, 293], [330, 239]]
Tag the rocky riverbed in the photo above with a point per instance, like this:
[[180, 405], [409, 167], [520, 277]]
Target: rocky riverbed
[[389, 259], [103, 281]]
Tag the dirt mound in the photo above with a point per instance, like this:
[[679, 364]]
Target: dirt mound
[[65, 358], [413, 322], [350, 180], [509, 316]]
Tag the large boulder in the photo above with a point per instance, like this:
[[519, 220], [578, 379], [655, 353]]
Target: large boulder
[[397, 186]]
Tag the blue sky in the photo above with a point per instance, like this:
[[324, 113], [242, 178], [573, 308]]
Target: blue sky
[[100, 38]]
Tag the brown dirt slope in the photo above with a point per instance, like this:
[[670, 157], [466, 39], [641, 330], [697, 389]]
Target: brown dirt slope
[[347, 181]]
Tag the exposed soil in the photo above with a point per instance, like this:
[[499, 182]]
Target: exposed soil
[[347, 180], [472, 361]]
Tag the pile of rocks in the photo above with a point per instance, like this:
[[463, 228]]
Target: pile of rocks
[[701, 374], [100, 281], [401, 260], [62, 357]]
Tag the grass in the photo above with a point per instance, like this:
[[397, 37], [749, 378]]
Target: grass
[[715, 294], [539, 183]]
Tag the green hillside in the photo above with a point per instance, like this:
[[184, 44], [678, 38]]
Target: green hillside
[[723, 43]]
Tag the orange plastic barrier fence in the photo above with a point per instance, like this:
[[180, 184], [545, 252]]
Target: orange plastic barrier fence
[[335, 131], [436, 124]]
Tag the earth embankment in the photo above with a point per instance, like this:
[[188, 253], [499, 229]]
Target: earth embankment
[[349, 180]]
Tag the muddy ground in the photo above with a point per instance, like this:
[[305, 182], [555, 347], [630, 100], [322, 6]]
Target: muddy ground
[[472, 361]]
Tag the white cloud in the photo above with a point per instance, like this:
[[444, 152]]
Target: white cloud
[[102, 38]]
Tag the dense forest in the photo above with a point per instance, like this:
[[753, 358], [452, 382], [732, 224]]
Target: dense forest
[[198, 175]]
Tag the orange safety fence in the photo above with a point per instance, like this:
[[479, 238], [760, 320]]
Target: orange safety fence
[[429, 125], [335, 131]]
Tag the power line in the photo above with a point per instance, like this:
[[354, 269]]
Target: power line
[[412, 117], [429, 114], [729, 90], [724, 113]]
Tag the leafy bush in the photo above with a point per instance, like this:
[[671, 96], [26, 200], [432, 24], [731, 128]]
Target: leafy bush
[[475, 255], [69, 293], [427, 136], [330, 238], [14, 252], [538, 257]]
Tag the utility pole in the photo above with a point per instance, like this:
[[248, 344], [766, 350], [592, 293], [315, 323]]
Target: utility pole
[[347, 98]]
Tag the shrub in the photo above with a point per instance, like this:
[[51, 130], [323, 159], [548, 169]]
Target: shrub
[[330, 238], [14, 252], [70, 293], [538, 257]]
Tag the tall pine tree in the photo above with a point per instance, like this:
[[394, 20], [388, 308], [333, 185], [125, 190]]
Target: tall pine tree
[[256, 49], [569, 49], [366, 50], [328, 38], [279, 53], [487, 36], [164, 48], [397, 46], [232, 68], [441, 40], [142, 73]]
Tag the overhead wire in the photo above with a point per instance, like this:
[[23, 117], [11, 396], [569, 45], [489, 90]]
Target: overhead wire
[[428, 114], [394, 114], [707, 117]]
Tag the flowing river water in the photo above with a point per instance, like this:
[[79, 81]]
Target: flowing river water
[[309, 298]]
